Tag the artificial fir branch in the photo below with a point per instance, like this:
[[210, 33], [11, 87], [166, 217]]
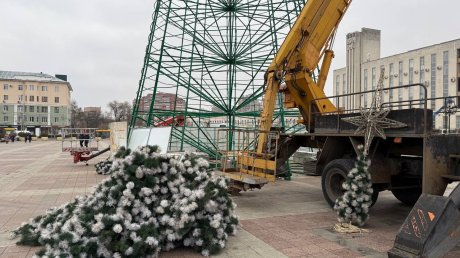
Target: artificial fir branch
[[150, 202], [353, 206]]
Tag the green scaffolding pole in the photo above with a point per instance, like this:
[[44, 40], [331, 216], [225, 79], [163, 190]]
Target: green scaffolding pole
[[210, 56]]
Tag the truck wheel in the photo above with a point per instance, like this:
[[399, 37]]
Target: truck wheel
[[333, 176], [407, 196]]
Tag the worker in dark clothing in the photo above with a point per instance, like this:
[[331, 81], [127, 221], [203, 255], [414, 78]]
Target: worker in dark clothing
[[81, 137], [86, 137]]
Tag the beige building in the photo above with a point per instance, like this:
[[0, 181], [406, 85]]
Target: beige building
[[437, 67], [36, 102]]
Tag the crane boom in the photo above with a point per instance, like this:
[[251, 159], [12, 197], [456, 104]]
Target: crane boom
[[307, 42]]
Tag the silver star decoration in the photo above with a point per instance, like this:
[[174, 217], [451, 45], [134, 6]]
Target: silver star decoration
[[373, 121]]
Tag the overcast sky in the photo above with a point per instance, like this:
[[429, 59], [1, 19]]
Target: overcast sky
[[100, 44]]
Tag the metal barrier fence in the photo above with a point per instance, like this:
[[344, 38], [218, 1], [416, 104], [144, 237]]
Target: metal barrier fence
[[340, 111]]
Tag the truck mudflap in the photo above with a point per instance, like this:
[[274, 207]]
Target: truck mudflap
[[431, 229]]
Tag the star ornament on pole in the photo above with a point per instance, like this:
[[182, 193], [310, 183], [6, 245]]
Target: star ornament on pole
[[373, 120], [371, 123]]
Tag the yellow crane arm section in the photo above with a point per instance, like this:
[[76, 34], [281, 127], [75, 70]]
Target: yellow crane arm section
[[306, 43]]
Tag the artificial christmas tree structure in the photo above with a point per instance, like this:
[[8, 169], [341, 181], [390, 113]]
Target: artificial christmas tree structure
[[353, 206], [150, 202], [104, 167]]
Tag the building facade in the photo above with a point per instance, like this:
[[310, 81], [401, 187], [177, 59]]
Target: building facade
[[163, 101], [164, 107], [437, 67], [35, 102]]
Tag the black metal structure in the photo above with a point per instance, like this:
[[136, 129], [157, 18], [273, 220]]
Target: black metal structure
[[431, 229]]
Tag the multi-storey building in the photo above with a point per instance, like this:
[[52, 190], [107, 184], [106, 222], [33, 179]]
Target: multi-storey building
[[163, 108], [437, 67], [163, 101], [36, 102]]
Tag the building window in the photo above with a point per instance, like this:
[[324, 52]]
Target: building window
[[20, 108], [337, 90], [374, 82], [337, 85], [44, 88], [411, 78], [422, 76], [5, 108], [391, 82], [31, 119], [31, 98], [5, 86], [56, 119], [5, 97], [31, 87], [444, 122], [400, 81], [56, 88], [433, 82], [445, 74], [5, 119], [44, 109], [20, 87], [31, 109], [56, 109], [56, 99], [382, 74], [20, 97], [365, 80], [44, 99], [458, 81], [44, 119], [365, 86]]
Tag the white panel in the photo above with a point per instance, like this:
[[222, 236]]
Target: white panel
[[118, 132], [150, 136]]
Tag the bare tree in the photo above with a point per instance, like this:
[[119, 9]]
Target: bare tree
[[106, 119], [121, 111], [78, 118], [94, 119]]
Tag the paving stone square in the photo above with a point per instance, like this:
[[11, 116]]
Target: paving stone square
[[283, 219]]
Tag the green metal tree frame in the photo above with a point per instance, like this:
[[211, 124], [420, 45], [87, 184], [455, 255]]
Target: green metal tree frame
[[212, 54]]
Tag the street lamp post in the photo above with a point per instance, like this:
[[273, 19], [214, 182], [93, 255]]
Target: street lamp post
[[23, 115], [22, 102]]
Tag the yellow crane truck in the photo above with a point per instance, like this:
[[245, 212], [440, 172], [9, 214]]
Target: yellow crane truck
[[411, 160]]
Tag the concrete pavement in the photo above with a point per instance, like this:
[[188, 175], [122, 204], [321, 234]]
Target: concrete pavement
[[284, 219]]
